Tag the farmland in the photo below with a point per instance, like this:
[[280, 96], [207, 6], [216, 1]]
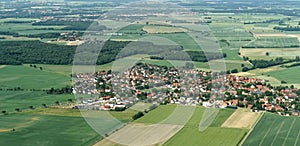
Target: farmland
[[273, 42], [48, 129], [290, 75], [213, 135], [10, 100], [31, 78], [162, 29], [35, 57], [242, 118], [275, 130], [157, 115]]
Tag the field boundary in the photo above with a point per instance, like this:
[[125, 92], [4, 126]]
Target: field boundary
[[248, 133]]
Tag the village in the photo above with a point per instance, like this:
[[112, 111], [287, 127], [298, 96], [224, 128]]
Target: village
[[154, 84]]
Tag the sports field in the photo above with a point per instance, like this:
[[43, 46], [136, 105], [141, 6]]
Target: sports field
[[274, 130]]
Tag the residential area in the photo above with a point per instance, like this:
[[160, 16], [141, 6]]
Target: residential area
[[168, 85]]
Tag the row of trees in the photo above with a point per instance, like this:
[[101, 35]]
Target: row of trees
[[287, 28]]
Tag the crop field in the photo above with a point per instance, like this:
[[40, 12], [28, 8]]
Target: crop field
[[45, 123], [273, 42], [31, 78], [230, 31], [290, 75], [275, 130], [213, 135], [10, 100], [39, 129]]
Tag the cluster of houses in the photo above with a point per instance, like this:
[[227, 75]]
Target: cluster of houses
[[161, 85]]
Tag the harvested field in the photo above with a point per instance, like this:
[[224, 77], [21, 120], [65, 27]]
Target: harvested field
[[162, 29], [106, 142], [241, 118], [259, 53], [140, 134]]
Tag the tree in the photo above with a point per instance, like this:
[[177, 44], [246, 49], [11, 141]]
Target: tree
[[41, 68], [57, 102], [234, 71], [4, 112], [31, 107], [297, 58], [244, 69], [138, 115], [242, 65], [267, 53], [44, 105], [273, 110], [18, 110]]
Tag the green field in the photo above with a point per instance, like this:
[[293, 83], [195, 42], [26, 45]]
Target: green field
[[10, 100], [157, 115], [214, 135], [290, 75], [275, 130], [37, 129], [51, 126], [273, 42], [31, 78]]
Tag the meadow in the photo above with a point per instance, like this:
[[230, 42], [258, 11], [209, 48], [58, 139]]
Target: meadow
[[273, 129]]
